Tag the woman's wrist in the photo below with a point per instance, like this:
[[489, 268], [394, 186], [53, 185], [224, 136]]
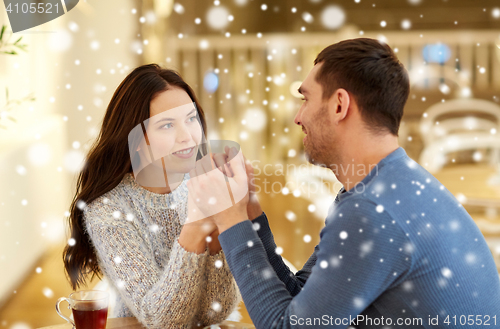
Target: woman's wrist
[[193, 239]]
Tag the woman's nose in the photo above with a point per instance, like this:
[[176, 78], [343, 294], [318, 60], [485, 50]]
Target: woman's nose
[[183, 134]]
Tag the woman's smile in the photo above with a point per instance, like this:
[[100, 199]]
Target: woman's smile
[[184, 153]]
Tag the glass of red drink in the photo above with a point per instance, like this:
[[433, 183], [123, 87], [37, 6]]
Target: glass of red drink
[[89, 307]]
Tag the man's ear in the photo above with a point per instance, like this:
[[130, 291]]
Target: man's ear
[[339, 102]]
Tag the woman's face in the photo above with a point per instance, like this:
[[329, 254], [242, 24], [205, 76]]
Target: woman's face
[[173, 130]]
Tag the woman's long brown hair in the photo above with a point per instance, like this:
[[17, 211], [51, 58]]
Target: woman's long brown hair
[[109, 160]]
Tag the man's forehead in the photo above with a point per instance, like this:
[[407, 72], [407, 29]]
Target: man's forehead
[[309, 84]]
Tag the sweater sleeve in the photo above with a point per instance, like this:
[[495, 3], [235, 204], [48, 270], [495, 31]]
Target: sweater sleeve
[[158, 298], [222, 295], [293, 281], [358, 257]]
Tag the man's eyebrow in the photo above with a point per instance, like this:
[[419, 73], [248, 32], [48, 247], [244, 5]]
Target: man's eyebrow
[[170, 119]]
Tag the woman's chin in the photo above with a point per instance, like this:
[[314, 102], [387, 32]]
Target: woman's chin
[[182, 170]]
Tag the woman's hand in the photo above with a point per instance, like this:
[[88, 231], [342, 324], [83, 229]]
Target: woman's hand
[[193, 237], [213, 243]]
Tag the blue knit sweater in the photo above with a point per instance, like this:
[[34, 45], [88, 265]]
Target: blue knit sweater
[[397, 251]]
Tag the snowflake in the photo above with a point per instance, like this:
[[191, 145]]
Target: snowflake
[[256, 226], [409, 248], [47, 292], [454, 225], [446, 272], [408, 286], [21, 170], [216, 306], [81, 204], [411, 164], [290, 215], [379, 187], [442, 282], [267, 273], [358, 302], [365, 248], [335, 261]]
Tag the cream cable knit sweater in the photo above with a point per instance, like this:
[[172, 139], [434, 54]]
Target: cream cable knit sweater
[[134, 232]]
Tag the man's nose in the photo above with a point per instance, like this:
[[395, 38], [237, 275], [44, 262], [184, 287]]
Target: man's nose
[[297, 119]]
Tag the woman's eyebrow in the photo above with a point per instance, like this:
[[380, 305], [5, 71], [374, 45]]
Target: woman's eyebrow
[[171, 119]]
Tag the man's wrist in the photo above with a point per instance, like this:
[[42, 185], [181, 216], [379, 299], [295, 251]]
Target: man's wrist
[[254, 209]]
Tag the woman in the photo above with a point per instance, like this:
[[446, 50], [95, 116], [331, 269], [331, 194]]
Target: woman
[[165, 273]]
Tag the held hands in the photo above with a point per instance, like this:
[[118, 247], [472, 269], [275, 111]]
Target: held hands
[[222, 194], [253, 207]]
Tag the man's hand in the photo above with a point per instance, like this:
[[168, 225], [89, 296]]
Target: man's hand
[[221, 159], [208, 191], [253, 208]]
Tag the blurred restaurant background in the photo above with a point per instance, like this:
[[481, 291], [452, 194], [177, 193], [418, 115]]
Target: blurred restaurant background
[[245, 60]]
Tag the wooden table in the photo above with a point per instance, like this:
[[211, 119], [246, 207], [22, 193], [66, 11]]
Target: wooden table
[[132, 323]]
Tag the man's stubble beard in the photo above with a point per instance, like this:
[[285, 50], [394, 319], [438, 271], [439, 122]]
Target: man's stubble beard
[[320, 150]]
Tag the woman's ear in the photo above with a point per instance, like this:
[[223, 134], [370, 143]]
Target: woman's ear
[[146, 139]]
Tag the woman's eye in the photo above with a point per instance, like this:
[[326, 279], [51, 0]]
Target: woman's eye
[[167, 126], [193, 118]]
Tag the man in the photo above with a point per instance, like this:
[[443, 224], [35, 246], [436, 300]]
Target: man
[[397, 251]]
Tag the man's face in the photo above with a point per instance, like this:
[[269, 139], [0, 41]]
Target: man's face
[[314, 118]]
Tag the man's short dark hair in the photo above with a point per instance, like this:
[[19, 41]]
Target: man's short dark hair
[[372, 74]]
